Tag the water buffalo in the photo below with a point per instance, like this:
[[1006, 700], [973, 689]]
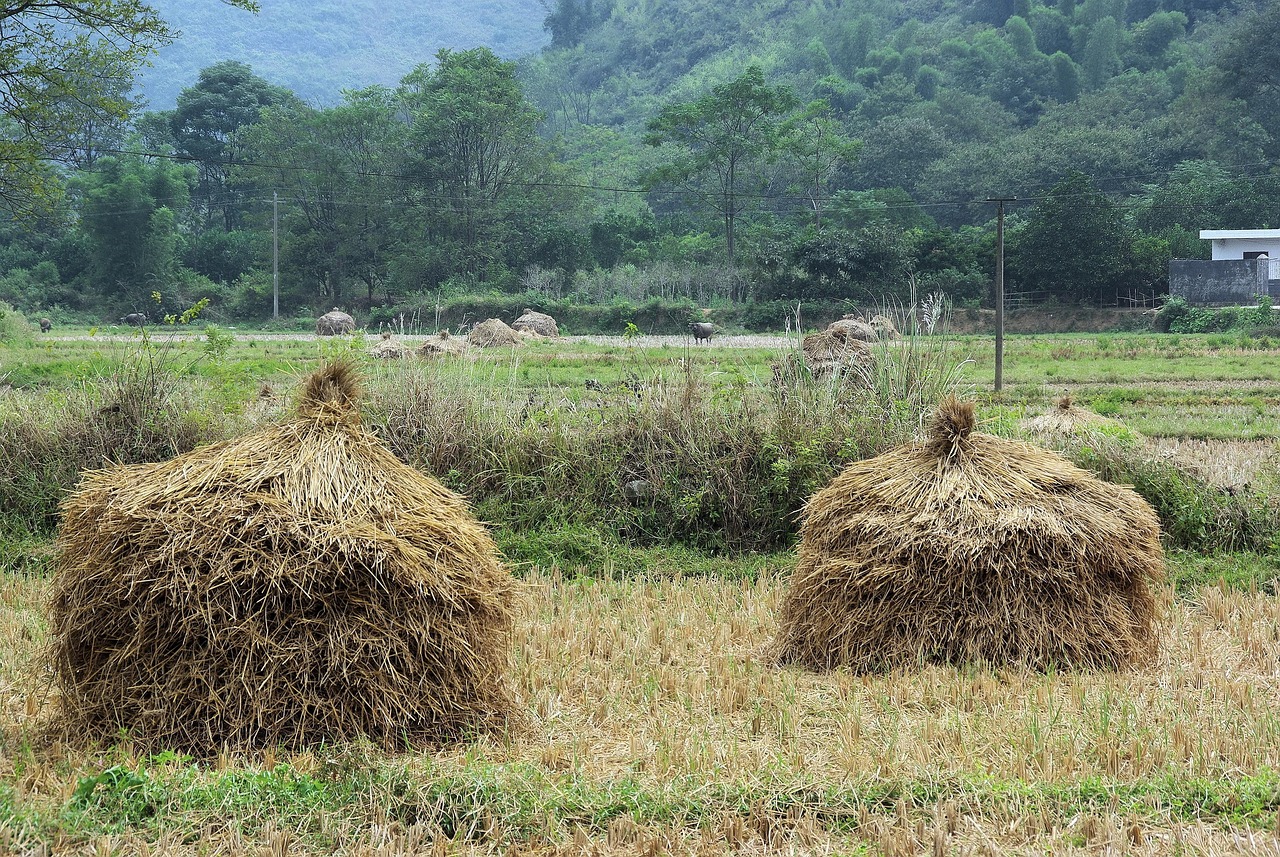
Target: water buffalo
[[45, 325], [134, 319], [702, 330]]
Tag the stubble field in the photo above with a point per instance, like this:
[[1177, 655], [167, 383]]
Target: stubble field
[[653, 720]]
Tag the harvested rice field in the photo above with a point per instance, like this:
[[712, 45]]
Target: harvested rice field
[[656, 726], [644, 494]]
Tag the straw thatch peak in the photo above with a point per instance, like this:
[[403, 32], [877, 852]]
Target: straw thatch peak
[[333, 391], [952, 424]]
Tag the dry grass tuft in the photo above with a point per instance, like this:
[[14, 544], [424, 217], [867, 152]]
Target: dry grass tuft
[[293, 586], [967, 547]]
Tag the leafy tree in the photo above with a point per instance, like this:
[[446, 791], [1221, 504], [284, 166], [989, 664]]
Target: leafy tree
[[722, 140], [1101, 57], [63, 63], [484, 179], [1073, 245], [206, 125], [337, 188], [1248, 63], [818, 149], [127, 211]]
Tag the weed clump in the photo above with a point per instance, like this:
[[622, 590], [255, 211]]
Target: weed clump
[[965, 547], [294, 586]]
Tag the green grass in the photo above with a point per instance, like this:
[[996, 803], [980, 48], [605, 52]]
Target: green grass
[[522, 802]]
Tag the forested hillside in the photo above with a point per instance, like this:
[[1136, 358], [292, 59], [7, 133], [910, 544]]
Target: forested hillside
[[321, 47], [742, 155]]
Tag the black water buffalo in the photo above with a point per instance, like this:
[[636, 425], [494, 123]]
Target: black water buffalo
[[702, 330], [45, 325], [134, 319]]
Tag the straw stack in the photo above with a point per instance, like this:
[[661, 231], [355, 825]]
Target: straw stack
[[294, 586], [537, 322], [493, 333], [967, 547], [1067, 424]]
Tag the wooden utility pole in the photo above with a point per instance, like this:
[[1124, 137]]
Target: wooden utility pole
[[1000, 201], [275, 255]]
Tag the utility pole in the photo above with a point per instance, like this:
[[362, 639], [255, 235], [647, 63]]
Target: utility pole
[[275, 254], [1000, 201]]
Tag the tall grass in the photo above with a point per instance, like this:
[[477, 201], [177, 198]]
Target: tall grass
[[666, 458]]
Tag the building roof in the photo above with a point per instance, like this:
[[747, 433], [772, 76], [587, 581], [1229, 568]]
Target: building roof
[[1214, 234]]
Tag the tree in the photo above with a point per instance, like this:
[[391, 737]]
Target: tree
[[484, 179], [337, 189], [206, 123], [127, 210], [722, 140], [1249, 65], [818, 149], [62, 61], [1074, 244]]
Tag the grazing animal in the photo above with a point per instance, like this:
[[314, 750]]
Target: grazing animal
[[134, 319], [45, 325], [702, 330]]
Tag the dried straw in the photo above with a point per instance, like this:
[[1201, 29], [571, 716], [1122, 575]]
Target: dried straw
[[493, 333], [537, 322], [967, 547], [1067, 423], [293, 586]]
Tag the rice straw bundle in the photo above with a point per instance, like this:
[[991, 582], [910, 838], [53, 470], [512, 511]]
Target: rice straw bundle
[[293, 586], [967, 547], [1068, 423], [493, 333]]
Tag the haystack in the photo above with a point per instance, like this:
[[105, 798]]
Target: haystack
[[852, 327], [388, 348], [884, 327], [1068, 423], [537, 322], [493, 333], [827, 354], [335, 323], [442, 344], [967, 547], [293, 586]]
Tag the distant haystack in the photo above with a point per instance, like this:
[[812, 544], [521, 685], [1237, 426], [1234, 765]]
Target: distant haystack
[[1067, 424], [493, 333], [292, 587], [388, 348], [827, 354], [442, 344], [884, 328], [335, 323], [852, 327], [537, 322], [967, 547]]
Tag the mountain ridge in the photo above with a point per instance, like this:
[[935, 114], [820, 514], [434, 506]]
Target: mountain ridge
[[319, 48]]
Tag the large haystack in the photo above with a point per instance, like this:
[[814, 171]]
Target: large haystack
[[293, 586], [967, 547], [335, 323], [1068, 424], [852, 327], [493, 333], [537, 322], [884, 327], [827, 354]]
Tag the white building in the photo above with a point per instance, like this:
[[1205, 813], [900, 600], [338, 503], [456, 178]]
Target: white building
[[1246, 244]]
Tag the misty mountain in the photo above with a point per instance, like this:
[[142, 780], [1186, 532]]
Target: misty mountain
[[320, 47]]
